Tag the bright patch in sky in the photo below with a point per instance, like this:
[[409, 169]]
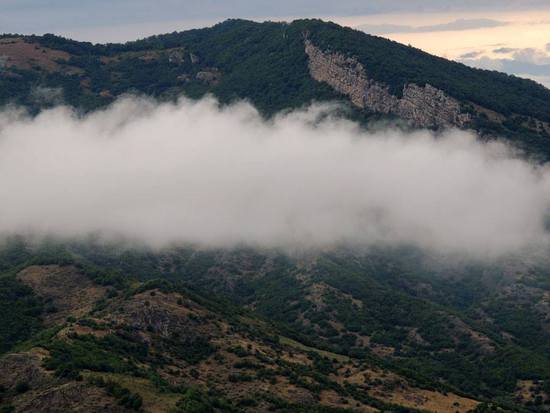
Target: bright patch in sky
[[515, 42]]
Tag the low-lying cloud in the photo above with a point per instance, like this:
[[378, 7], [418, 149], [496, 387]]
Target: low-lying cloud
[[192, 172]]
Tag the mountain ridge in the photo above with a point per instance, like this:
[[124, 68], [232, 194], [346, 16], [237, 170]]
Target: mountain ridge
[[106, 326], [268, 64]]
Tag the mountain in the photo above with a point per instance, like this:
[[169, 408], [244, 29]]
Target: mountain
[[278, 66], [92, 326], [157, 347], [249, 330]]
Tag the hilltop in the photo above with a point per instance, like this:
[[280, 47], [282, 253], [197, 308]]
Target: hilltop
[[279, 66]]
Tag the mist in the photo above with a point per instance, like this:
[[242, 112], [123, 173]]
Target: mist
[[194, 172]]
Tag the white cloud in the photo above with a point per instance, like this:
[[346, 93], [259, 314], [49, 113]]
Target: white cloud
[[532, 55], [192, 172], [484, 62], [530, 63], [455, 25]]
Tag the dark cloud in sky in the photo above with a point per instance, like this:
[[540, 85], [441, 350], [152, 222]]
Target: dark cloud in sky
[[471, 55], [504, 50]]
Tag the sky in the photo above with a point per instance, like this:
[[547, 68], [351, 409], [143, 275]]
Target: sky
[[506, 35], [512, 41]]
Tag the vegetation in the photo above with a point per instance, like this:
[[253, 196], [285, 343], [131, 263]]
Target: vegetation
[[265, 63], [20, 309], [264, 319], [125, 397], [419, 323]]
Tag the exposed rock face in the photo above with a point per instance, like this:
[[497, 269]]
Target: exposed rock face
[[344, 74], [211, 76], [161, 314], [23, 368], [48, 394], [71, 397], [177, 57], [423, 106], [430, 107], [377, 98]]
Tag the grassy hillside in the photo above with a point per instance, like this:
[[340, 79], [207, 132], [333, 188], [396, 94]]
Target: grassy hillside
[[157, 347], [479, 333]]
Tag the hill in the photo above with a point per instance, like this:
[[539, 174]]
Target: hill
[[89, 325], [376, 331], [157, 347], [278, 66]]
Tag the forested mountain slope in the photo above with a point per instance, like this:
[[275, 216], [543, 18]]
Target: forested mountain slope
[[91, 325], [113, 344], [465, 334], [278, 66]]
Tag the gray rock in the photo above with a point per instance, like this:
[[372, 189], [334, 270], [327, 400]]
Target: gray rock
[[211, 76], [423, 106]]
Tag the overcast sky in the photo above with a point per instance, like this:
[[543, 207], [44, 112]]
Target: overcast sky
[[69, 16]]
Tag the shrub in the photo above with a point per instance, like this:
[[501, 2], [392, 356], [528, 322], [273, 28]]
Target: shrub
[[22, 387]]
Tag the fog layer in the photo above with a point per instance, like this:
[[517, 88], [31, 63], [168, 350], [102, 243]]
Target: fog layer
[[192, 172]]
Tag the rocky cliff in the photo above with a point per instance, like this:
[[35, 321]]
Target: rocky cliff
[[423, 106]]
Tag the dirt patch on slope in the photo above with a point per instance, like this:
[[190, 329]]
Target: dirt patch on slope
[[15, 52], [70, 291], [23, 368], [69, 397]]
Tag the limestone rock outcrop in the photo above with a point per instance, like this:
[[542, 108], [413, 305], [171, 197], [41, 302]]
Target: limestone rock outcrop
[[423, 106]]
